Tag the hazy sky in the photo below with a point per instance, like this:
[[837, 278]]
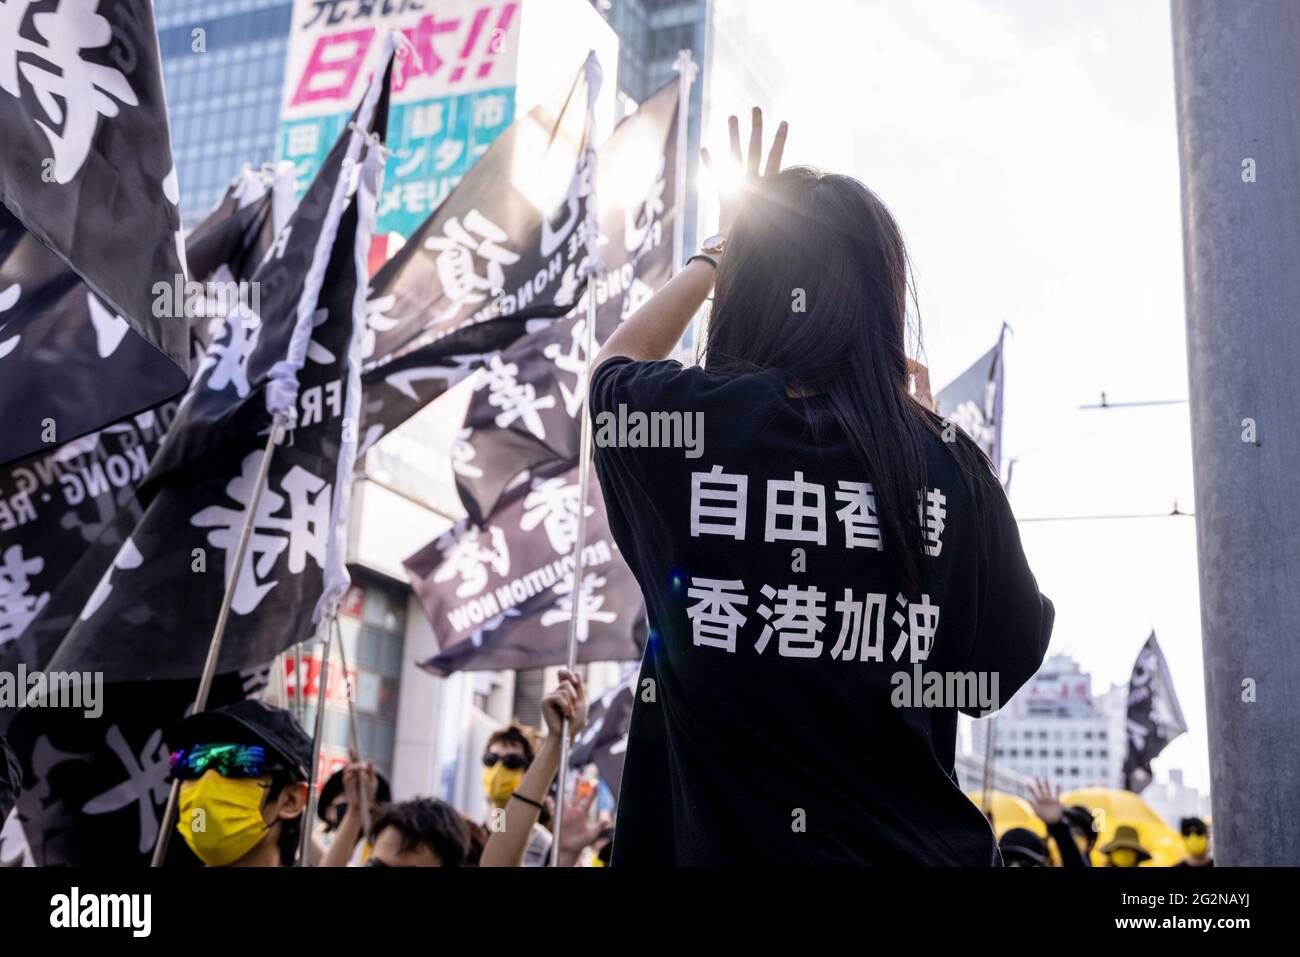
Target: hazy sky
[[1027, 147]]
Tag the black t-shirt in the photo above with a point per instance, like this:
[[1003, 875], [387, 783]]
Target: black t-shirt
[[773, 720]]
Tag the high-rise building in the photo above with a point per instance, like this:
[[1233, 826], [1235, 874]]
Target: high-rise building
[[1173, 799], [1055, 728], [223, 69]]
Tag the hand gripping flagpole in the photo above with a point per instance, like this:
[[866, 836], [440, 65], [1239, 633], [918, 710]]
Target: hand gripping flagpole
[[352, 720], [591, 267], [214, 647]]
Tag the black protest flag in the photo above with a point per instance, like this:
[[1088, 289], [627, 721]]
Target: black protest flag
[[1154, 715], [56, 506], [87, 171], [497, 259], [68, 362], [973, 402], [603, 742], [298, 352], [499, 596], [524, 412], [95, 776], [228, 246], [11, 779]]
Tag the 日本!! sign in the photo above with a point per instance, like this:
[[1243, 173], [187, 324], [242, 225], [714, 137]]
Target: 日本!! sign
[[455, 95]]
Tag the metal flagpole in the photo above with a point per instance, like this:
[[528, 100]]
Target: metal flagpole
[[356, 735], [326, 632], [686, 70], [579, 542], [592, 266], [298, 711], [279, 690], [214, 647]]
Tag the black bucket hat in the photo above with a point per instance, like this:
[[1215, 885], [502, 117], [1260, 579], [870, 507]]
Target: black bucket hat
[[1022, 846], [333, 787]]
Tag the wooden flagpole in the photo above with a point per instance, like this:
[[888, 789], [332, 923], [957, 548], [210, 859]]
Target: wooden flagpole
[[326, 632], [218, 633]]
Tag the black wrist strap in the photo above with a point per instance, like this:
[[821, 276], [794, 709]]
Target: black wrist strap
[[528, 801], [708, 259]]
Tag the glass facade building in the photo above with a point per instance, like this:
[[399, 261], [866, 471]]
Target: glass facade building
[[223, 69], [372, 623]]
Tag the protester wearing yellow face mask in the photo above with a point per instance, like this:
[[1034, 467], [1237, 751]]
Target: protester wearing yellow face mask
[[243, 774], [1125, 850], [509, 754], [1196, 838]]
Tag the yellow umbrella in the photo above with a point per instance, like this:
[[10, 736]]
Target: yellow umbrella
[[1009, 811], [1113, 808]]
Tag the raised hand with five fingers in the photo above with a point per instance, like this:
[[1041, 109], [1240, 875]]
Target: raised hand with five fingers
[[731, 200]]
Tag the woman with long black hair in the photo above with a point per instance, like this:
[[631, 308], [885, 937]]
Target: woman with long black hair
[[830, 577]]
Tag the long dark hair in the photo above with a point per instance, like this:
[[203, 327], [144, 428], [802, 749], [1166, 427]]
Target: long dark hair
[[814, 286]]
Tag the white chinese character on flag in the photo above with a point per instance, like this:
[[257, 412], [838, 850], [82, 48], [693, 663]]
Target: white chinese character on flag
[[228, 358], [553, 504], [642, 215], [574, 362], [72, 92], [462, 455], [8, 299], [457, 249], [469, 561], [590, 604], [304, 532], [145, 785], [18, 606], [515, 399]]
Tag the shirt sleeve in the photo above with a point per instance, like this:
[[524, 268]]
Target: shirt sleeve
[[1014, 619], [1071, 856], [638, 386], [630, 478]]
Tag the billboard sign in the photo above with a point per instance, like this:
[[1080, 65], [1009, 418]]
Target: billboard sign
[[454, 95]]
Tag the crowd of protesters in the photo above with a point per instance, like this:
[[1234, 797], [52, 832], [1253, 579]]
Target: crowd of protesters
[[244, 797], [244, 800], [1073, 830]]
